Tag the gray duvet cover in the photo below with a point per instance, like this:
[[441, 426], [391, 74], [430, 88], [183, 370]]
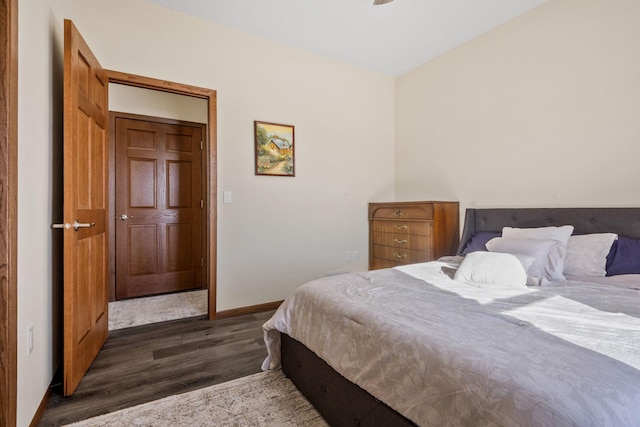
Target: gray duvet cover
[[443, 353]]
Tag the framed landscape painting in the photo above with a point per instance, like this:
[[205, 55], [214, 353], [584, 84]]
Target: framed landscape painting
[[274, 146]]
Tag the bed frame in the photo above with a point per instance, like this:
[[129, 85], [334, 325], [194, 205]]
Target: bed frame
[[338, 400], [623, 221], [343, 403]]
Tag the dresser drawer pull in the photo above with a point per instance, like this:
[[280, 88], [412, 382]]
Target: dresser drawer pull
[[399, 256], [399, 213], [400, 241], [400, 227]]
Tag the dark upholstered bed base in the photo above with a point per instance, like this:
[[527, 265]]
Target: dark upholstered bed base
[[338, 400]]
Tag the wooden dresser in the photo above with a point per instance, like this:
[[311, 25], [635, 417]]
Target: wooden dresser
[[409, 232]]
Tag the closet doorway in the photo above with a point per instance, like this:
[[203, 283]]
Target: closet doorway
[[183, 264]]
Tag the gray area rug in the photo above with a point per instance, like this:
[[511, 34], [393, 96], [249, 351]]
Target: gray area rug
[[263, 399], [142, 311]]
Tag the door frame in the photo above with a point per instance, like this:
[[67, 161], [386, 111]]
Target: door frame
[[8, 210], [113, 116], [210, 156], [9, 203]]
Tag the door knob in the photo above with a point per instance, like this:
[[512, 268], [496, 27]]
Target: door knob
[[65, 225], [125, 217], [76, 225]]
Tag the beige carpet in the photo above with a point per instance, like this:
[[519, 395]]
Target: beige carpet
[[263, 399], [142, 311]]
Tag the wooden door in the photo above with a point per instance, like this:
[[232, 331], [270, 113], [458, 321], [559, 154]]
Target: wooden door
[[85, 208], [159, 206]]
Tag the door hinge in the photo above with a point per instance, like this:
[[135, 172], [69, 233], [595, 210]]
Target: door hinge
[[201, 145], [201, 204], [202, 262]]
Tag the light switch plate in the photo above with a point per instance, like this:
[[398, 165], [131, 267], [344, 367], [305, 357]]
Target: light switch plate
[[226, 197]]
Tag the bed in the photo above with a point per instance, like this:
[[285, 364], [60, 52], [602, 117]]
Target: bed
[[414, 346]]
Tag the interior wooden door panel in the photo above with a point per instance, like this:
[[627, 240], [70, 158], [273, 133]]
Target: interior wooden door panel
[[159, 206], [85, 202]]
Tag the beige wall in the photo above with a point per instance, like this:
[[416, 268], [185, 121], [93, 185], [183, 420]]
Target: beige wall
[[542, 111], [40, 51], [278, 232], [135, 100]]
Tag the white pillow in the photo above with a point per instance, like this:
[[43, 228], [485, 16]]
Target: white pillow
[[587, 254], [544, 252], [493, 269], [561, 234]]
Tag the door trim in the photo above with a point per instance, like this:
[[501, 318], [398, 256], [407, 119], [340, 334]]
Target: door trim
[[8, 210], [113, 116], [210, 180]]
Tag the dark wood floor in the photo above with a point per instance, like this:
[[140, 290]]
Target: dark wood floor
[[145, 363]]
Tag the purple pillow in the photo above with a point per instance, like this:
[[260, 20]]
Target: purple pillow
[[479, 240], [624, 257]]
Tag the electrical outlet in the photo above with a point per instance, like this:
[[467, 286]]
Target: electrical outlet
[[30, 339], [356, 255]]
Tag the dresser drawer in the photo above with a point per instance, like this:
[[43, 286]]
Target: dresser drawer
[[408, 232], [403, 256], [402, 227], [403, 241], [424, 212]]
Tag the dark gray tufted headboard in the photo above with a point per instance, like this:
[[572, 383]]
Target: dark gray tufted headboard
[[623, 221]]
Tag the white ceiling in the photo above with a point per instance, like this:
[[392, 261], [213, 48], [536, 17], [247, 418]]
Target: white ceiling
[[391, 38]]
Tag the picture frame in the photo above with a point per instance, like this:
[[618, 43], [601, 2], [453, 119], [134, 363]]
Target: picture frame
[[274, 149]]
